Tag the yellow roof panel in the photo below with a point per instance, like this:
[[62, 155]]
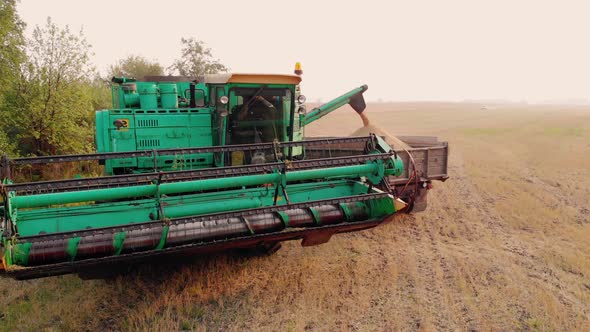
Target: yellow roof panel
[[253, 78]]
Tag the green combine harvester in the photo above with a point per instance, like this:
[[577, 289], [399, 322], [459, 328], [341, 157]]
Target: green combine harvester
[[195, 166]]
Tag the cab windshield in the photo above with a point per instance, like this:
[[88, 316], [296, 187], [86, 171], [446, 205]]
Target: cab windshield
[[258, 115]]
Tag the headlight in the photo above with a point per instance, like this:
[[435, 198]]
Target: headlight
[[224, 100], [301, 110], [301, 99]]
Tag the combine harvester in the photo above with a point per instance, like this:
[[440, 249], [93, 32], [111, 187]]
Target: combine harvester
[[199, 166]]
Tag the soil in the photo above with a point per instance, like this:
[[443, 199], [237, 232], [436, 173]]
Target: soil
[[503, 246]]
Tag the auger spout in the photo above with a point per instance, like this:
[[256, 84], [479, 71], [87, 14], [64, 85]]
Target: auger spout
[[353, 97]]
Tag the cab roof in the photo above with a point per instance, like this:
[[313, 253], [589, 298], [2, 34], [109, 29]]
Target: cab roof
[[252, 78]]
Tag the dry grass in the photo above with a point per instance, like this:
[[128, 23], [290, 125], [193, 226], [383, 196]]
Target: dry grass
[[504, 245]]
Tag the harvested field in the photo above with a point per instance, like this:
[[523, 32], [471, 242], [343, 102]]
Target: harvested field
[[504, 245]]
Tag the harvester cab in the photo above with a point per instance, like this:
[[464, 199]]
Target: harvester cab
[[194, 166]]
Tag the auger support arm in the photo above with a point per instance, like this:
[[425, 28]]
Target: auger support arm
[[353, 97]]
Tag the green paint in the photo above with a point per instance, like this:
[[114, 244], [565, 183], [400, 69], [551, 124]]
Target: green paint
[[380, 207], [20, 253], [346, 211], [162, 242], [148, 95], [356, 171], [81, 217], [157, 120], [238, 203], [47, 220], [332, 105], [118, 242], [72, 248], [168, 95], [284, 217], [316, 216]]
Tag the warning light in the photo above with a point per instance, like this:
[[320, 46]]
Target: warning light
[[298, 70]]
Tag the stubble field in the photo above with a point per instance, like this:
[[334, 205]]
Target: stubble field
[[504, 245]]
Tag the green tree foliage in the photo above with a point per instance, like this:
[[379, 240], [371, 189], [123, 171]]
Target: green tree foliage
[[52, 112], [49, 89], [6, 146], [137, 67], [100, 91], [11, 41], [11, 57], [196, 60]]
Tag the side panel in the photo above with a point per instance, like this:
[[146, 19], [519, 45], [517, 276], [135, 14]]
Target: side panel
[[154, 129], [430, 163], [108, 139], [175, 130], [102, 130]]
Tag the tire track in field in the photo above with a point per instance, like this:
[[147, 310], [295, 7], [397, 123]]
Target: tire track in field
[[452, 204], [457, 204], [463, 312], [407, 297], [466, 285], [428, 281]]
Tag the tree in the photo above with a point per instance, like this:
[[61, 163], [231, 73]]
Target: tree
[[136, 67], [6, 146], [196, 60], [53, 106], [100, 91], [11, 42], [11, 57]]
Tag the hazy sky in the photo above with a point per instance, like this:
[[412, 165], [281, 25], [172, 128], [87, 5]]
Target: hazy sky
[[531, 50]]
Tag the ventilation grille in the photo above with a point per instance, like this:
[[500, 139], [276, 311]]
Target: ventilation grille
[[148, 143], [147, 123]]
